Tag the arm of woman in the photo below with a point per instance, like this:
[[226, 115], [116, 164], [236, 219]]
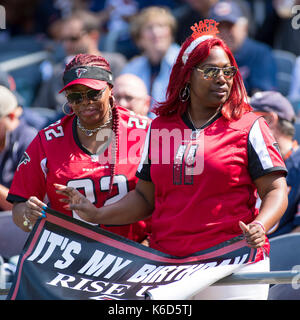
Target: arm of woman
[[137, 205], [272, 190]]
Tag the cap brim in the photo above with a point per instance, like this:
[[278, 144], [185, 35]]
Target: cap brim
[[91, 83]]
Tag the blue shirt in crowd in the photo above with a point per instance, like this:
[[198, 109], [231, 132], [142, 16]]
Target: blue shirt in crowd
[[141, 67], [291, 217], [257, 66], [17, 142]]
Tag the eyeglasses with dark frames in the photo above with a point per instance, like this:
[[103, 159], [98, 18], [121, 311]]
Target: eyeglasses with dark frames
[[210, 73], [78, 97]]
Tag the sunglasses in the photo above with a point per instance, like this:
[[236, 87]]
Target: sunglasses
[[78, 97], [210, 73]]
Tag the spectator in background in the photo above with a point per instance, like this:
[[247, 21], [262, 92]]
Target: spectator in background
[[255, 59], [153, 31], [117, 38], [15, 136], [78, 33], [280, 116], [193, 11], [131, 93], [119, 14]]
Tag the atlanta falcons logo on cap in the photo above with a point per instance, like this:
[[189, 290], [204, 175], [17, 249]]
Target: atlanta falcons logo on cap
[[80, 71]]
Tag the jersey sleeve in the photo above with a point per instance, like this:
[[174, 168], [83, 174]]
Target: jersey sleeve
[[30, 175], [263, 151], [143, 170]]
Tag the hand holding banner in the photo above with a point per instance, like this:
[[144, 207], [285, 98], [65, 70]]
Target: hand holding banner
[[65, 258]]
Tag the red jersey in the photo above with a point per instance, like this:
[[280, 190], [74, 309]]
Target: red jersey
[[204, 181], [57, 156]]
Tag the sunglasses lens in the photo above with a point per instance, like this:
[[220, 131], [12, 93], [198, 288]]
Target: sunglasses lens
[[211, 72], [229, 72], [78, 97], [74, 97], [94, 94]]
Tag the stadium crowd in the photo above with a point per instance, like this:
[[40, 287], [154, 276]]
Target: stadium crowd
[[141, 40]]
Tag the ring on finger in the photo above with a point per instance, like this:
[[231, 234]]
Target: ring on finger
[[27, 222]]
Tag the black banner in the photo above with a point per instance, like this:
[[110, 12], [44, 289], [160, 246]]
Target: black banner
[[67, 259]]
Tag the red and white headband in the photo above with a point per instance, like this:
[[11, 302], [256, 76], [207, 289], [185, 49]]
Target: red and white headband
[[205, 30]]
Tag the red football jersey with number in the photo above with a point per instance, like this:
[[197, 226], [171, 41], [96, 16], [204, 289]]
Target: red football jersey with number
[[57, 156], [204, 182]]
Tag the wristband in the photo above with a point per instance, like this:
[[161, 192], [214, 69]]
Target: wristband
[[260, 224]]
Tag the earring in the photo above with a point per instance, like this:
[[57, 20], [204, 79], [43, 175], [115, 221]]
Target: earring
[[184, 93], [66, 112], [112, 101]]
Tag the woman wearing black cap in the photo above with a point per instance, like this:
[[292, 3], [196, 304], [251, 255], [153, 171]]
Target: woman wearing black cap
[[82, 150]]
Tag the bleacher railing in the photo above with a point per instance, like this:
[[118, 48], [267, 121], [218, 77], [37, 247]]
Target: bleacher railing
[[25, 60]]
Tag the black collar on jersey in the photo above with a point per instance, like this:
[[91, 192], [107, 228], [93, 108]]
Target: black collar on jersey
[[88, 72], [187, 121]]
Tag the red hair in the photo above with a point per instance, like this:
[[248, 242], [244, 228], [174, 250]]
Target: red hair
[[87, 60], [236, 104]]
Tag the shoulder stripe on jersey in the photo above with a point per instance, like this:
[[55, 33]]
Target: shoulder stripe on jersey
[[259, 145], [145, 150]]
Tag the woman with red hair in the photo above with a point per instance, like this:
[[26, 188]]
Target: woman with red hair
[[234, 105], [205, 158]]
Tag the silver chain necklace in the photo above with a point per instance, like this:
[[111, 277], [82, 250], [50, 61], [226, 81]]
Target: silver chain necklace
[[90, 132], [196, 130]]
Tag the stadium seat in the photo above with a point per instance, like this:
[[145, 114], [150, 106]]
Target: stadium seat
[[27, 82], [27, 77], [285, 252], [12, 238], [25, 43], [285, 62], [284, 256]]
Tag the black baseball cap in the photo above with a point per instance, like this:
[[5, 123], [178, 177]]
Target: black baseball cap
[[91, 76]]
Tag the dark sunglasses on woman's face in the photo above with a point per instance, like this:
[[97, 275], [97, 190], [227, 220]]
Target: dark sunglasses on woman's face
[[210, 73], [78, 97]]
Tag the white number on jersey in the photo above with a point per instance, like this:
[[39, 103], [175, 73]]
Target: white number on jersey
[[139, 123], [56, 133], [89, 189]]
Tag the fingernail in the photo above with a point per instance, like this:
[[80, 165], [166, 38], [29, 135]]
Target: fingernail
[[44, 207], [44, 215]]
